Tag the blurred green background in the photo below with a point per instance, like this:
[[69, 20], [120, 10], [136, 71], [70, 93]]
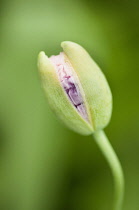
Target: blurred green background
[[43, 165]]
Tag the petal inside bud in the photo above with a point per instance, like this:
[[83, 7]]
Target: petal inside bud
[[70, 83]]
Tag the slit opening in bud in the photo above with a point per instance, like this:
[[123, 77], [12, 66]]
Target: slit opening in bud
[[70, 83]]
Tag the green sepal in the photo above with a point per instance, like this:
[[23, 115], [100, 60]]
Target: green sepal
[[97, 92]]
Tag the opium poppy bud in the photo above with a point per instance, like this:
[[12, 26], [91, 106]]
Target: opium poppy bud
[[76, 89]]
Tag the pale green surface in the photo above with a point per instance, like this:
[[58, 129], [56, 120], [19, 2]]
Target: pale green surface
[[94, 84]]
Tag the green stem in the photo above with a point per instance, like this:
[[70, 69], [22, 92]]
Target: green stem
[[110, 155]]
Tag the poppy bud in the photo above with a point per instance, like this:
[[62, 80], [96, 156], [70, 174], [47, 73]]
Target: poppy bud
[[76, 89]]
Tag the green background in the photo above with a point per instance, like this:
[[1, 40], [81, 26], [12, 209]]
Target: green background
[[43, 165]]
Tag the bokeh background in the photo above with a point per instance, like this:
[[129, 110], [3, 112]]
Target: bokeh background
[[43, 165]]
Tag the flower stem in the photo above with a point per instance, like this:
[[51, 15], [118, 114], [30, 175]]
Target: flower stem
[[113, 161]]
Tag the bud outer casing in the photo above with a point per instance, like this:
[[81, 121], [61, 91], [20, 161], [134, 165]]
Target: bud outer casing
[[93, 86]]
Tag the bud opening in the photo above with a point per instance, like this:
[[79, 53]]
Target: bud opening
[[69, 81]]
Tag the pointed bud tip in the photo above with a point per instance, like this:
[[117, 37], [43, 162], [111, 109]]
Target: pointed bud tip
[[42, 55], [42, 60], [65, 44]]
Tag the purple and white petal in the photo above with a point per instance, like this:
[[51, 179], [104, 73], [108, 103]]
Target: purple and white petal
[[69, 83]]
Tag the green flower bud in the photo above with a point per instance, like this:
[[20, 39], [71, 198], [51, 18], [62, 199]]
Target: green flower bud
[[76, 89]]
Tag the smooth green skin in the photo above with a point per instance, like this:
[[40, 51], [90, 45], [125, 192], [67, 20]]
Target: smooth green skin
[[115, 165], [94, 84], [96, 91]]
